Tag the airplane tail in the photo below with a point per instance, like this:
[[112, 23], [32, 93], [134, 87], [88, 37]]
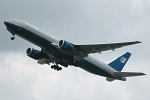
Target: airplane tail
[[120, 62], [118, 65]]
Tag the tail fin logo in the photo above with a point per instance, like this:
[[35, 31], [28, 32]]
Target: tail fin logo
[[123, 60]]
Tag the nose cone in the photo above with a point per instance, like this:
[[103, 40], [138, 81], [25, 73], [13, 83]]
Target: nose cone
[[6, 22]]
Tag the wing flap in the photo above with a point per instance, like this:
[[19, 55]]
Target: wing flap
[[129, 74]]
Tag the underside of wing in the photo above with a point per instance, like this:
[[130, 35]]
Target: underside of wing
[[84, 50], [45, 61], [95, 48]]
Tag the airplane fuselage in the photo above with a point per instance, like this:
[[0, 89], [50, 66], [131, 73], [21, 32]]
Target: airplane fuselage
[[47, 42]]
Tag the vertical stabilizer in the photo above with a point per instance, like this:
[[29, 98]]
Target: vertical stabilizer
[[120, 62]]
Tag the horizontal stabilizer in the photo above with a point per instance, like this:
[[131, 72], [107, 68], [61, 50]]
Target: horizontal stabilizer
[[128, 74]]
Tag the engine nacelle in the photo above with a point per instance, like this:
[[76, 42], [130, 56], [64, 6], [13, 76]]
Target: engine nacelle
[[66, 46], [35, 54]]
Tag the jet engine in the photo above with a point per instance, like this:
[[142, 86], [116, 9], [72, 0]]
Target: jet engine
[[66, 46], [35, 54]]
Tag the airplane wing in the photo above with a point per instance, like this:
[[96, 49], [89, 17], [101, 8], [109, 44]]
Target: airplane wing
[[84, 50]]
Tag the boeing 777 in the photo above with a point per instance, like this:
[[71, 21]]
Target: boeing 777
[[60, 52]]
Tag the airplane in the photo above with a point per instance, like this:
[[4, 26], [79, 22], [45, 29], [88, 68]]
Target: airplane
[[60, 52]]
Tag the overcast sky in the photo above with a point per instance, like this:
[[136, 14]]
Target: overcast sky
[[80, 22]]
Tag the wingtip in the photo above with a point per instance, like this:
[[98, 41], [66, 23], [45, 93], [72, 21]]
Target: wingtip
[[143, 74], [138, 42]]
